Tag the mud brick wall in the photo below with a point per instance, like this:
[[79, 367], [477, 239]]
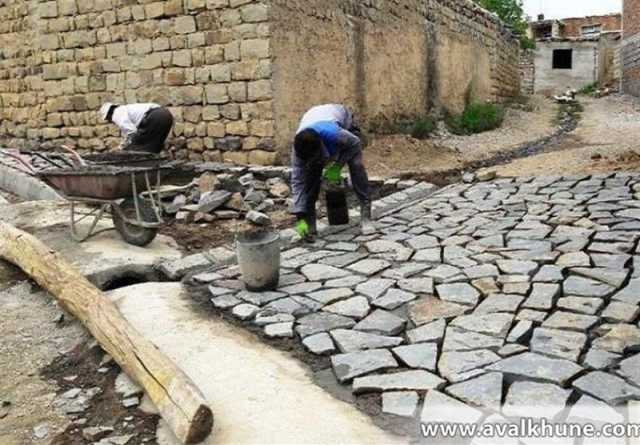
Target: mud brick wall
[[237, 74], [630, 52], [573, 26], [527, 72]]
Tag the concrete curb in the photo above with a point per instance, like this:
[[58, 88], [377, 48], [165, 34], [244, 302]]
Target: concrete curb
[[25, 186]]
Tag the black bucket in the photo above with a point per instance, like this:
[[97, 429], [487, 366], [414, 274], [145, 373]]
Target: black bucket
[[337, 208]]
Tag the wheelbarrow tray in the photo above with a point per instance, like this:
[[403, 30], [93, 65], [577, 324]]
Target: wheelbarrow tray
[[100, 182]]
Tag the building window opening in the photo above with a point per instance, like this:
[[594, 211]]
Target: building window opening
[[563, 59]]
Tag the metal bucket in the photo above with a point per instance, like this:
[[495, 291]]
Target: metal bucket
[[259, 259]]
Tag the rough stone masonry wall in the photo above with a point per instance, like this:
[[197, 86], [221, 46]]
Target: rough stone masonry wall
[[208, 60], [630, 53], [237, 74], [527, 72]]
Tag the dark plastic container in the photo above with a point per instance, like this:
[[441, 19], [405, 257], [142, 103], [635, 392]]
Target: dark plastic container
[[337, 208]]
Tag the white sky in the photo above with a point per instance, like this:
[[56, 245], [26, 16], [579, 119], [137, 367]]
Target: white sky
[[558, 9]]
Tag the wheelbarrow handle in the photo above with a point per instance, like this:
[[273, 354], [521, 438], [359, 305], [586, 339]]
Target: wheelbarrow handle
[[75, 154], [25, 166]]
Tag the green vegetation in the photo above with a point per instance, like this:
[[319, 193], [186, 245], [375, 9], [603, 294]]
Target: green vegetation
[[569, 111], [419, 128], [476, 118], [590, 89], [512, 13]]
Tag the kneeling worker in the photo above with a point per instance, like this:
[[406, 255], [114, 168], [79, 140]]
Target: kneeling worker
[[146, 126], [326, 140]]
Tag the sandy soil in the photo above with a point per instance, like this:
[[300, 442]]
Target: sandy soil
[[606, 140]]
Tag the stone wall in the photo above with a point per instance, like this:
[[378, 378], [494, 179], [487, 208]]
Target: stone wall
[[527, 72], [237, 74], [630, 53]]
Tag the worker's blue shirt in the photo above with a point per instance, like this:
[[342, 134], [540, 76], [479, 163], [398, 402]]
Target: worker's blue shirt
[[328, 132]]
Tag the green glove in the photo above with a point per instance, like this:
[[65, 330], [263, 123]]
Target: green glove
[[333, 174], [302, 228]]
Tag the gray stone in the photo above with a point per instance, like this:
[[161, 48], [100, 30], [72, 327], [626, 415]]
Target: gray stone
[[266, 317], [441, 409], [549, 274], [613, 248], [330, 295], [570, 321], [401, 403], [245, 311], [610, 261], [418, 380], [574, 259], [432, 256], [321, 272], [599, 359], [287, 306], [497, 325], [218, 291], [95, 433], [369, 267], [260, 298], [562, 344], [538, 367], [483, 271], [630, 294], [210, 201], [375, 288], [301, 288], [582, 305], [456, 365], [543, 296], [381, 322], [515, 267], [535, 400], [459, 340], [611, 277], [520, 332], [258, 218], [486, 286], [393, 299], [432, 332], [617, 311], [585, 287], [127, 387], [350, 340], [462, 293], [423, 242], [531, 315], [319, 344], [279, 330], [420, 356], [349, 281], [348, 366], [512, 349], [443, 273], [206, 277], [343, 260], [428, 309], [516, 288], [131, 402], [606, 387], [484, 391], [619, 339], [225, 301], [322, 322], [591, 411], [499, 303], [417, 285], [405, 271], [630, 369], [356, 307]]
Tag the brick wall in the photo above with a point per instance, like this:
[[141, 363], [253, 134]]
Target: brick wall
[[630, 52], [218, 65], [573, 26]]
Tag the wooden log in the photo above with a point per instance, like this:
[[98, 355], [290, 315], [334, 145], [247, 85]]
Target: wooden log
[[179, 401]]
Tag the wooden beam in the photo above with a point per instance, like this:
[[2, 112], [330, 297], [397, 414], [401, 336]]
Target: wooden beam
[[179, 401]]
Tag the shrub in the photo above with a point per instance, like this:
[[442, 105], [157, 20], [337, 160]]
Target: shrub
[[419, 128], [476, 118], [589, 90], [422, 128]]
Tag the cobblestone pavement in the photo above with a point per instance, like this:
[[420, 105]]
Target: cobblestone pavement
[[489, 296]]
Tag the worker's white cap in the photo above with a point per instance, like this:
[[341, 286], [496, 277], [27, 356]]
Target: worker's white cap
[[104, 110]]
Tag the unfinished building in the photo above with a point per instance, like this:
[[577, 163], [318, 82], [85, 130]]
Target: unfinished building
[[631, 48], [573, 53], [237, 74]]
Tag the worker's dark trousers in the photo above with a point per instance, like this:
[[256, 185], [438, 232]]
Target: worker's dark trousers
[[152, 132], [313, 183]]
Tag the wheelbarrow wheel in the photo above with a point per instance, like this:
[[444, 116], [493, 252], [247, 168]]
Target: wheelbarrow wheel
[[132, 234]]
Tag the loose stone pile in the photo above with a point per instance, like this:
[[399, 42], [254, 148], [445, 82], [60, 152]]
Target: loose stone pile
[[494, 297]]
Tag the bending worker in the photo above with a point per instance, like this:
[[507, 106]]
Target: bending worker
[[326, 140], [146, 126]]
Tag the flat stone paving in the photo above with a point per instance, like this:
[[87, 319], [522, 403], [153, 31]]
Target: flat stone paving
[[484, 297]]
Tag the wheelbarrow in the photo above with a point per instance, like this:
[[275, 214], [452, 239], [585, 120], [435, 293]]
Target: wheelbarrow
[[129, 195]]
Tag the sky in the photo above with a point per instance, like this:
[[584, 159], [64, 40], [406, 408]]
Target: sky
[[558, 9]]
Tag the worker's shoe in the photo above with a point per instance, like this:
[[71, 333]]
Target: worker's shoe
[[366, 224], [312, 234]]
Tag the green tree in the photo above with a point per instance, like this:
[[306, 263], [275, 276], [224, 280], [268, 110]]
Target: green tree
[[512, 13]]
